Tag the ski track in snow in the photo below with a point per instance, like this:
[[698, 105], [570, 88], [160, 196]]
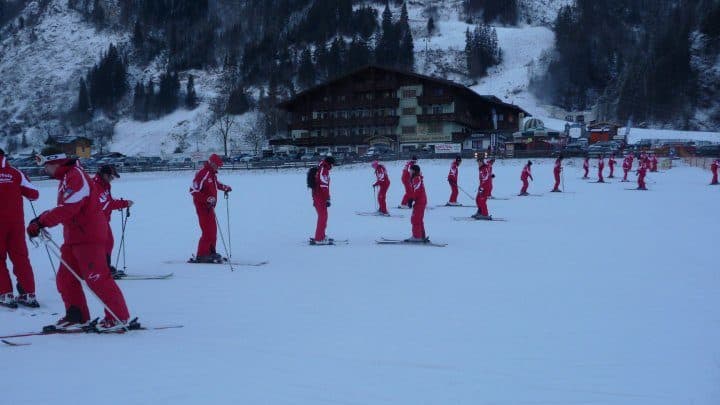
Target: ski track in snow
[[600, 296]]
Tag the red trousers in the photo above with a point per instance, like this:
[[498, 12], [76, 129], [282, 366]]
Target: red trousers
[[208, 229], [88, 262], [381, 198], [417, 219], [408, 191], [525, 186], [641, 181], [625, 176], [612, 171], [600, 176], [110, 241], [557, 180], [453, 191], [322, 212], [12, 243], [481, 201], [714, 177], [587, 169]]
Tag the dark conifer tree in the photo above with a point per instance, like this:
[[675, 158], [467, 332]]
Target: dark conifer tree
[[138, 38], [306, 70], [190, 94], [83, 103]]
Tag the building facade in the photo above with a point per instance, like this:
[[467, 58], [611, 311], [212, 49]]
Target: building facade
[[401, 110]]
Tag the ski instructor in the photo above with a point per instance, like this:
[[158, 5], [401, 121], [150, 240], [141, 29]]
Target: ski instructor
[[204, 192], [85, 230], [102, 180]]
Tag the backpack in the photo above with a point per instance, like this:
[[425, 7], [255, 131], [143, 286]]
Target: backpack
[[311, 174]]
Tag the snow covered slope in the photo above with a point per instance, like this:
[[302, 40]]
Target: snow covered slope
[[601, 295]]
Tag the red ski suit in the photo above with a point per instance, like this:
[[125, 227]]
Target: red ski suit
[[204, 192], [586, 167], [714, 168], [383, 181], [601, 166], [417, 219], [524, 177], [405, 178], [108, 205], [627, 166], [85, 231], [611, 164], [556, 172], [14, 185], [641, 171], [653, 163], [484, 189], [321, 198], [453, 179], [490, 185]]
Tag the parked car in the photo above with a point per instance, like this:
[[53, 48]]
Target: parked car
[[708, 150]]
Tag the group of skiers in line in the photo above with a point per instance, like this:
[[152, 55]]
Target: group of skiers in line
[[646, 162], [84, 206]]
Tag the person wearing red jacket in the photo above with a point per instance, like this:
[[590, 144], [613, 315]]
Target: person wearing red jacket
[[601, 166], [321, 200], [405, 178], [714, 168], [611, 164], [490, 164], [641, 172], [14, 185], [483, 191], [627, 165], [204, 192], [83, 250], [653, 163], [526, 173], [556, 173], [383, 182], [586, 167], [453, 181], [104, 176], [418, 202]]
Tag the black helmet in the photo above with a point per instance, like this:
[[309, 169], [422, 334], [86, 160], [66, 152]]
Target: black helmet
[[529, 162], [330, 160], [415, 169], [2, 152], [414, 157], [109, 170], [458, 158]]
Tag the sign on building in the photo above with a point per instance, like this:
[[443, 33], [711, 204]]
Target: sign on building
[[448, 148]]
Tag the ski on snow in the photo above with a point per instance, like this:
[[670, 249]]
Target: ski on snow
[[81, 330], [491, 219], [332, 242], [132, 276], [224, 261], [385, 241], [377, 214]]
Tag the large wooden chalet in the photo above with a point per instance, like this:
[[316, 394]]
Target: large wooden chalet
[[403, 110]]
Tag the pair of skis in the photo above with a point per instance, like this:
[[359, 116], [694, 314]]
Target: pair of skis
[[4, 339], [425, 242]]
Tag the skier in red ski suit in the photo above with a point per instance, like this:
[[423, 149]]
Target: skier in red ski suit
[[641, 171], [321, 200], [627, 166], [14, 185], [204, 192], [418, 202], [383, 182], [483, 191], [405, 178], [611, 164], [653, 163], [83, 250], [453, 181], [714, 168], [556, 172], [586, 166], [601, 166], [490, 164], [104, 176], [526, 172]]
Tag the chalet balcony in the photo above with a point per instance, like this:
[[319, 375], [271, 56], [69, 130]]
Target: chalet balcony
[[356, 104], [428, 100], [336, 140], [387, 121], [375, 85], [449, 117]]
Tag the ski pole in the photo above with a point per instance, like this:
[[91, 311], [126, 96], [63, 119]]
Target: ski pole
[[374, 193], [562, 177], [46, 238], [52, 264], [121, 247], [222, 238], [227, 209], [466, 193]]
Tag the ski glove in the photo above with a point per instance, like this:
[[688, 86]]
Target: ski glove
[[33, 229], [211, 202], [410, 203], [327, 203]]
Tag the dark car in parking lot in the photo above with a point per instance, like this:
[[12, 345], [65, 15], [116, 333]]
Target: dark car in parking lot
[[708, 150]]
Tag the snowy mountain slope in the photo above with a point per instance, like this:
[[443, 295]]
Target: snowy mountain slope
[[590, 297], [41, 65]]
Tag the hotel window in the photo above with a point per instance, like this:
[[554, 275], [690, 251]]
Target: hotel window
[[409, 111], [437, 109], [438, 91], [409, 93], [435, 127], [408, 130]]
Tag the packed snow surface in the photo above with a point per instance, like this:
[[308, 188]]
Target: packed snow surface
[[597, 295]]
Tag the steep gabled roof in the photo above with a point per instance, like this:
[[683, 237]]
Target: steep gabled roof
[[464, 89]]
